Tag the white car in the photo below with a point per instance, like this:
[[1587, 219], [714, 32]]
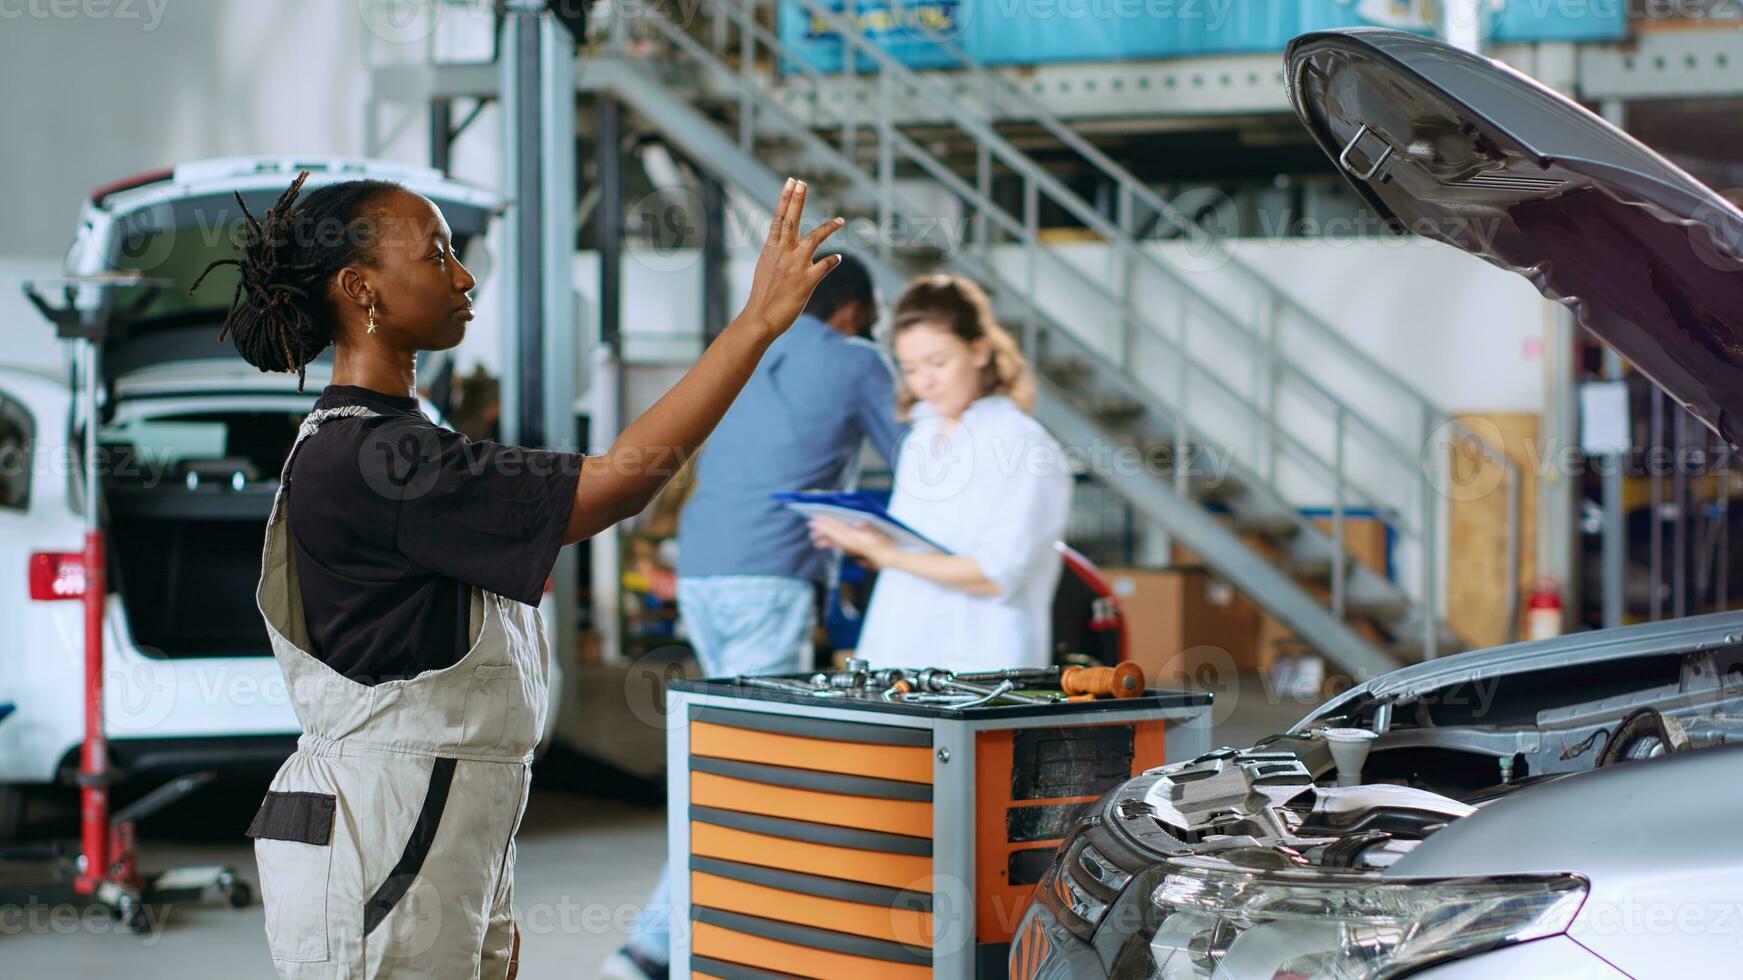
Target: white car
[[193, 439]]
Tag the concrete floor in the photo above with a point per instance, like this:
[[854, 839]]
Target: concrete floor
[[584, 865]]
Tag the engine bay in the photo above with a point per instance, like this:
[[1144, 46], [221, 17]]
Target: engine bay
[[1262, 810], [1360, 784]]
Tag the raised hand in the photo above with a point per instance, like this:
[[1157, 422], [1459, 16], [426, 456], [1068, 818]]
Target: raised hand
[[620, 483], [785, 273]]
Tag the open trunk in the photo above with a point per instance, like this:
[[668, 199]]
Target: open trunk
[[188, 494]]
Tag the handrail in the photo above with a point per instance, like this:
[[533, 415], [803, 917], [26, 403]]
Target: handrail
[[753, 88], [1129, 184], [889, 67], [955, 183]]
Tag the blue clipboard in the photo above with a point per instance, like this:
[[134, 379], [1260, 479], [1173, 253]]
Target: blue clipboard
[[858, 508]]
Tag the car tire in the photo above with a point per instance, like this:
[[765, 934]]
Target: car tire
[[12, 806]]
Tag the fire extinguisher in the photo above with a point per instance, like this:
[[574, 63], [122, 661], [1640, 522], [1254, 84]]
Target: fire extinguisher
[[1543, 609]]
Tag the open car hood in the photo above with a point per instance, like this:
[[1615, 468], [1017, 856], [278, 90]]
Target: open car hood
[[1688, 634], [1467, 151]]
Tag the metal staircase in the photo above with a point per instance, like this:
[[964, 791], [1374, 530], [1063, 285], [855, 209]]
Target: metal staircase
[[1177, 355], [1292, 438]]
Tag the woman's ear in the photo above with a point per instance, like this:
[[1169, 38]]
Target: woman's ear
[[352, 289], [982, 352]]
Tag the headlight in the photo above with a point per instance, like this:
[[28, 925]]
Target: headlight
[[1212, 921]]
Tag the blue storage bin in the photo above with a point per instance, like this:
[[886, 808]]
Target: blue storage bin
[[1030, 32], [1534, 20]]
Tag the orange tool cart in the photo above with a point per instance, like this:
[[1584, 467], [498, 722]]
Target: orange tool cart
[[842, 834]]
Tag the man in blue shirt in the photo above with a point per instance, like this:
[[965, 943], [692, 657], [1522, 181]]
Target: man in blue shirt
[[746, 565], [747, 571]]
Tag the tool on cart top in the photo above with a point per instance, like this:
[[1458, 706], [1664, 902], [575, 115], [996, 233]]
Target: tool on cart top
[[945, 688]]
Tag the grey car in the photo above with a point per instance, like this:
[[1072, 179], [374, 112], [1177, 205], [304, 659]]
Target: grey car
[[1568, 808]]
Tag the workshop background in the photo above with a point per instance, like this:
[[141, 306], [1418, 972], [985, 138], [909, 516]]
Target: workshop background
[[1415, 452]]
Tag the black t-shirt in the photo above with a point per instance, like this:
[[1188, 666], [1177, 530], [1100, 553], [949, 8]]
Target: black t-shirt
[[393, 519]]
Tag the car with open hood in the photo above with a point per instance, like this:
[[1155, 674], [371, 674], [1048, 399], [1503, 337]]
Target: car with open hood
[[1561, 808]]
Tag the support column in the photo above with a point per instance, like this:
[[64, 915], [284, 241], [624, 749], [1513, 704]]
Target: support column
[[441, 134], [714, 299], [1615, 529], [608, 222], [606, 385], [541, 359]]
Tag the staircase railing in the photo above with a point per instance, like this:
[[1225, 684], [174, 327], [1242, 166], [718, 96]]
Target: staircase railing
[[754, 85], [999, 97], [758, 49]]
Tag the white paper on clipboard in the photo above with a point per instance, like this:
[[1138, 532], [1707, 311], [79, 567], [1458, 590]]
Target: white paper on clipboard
[[857, 512]]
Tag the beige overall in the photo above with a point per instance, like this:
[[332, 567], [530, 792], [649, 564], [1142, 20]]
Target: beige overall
[[386, 843]]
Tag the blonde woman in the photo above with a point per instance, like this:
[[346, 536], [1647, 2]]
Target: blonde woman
[[979, 476]]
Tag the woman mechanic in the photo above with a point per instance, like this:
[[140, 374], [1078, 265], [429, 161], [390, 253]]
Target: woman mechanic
[[399, 581]]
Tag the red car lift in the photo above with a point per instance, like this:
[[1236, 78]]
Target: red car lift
[[105, 873]]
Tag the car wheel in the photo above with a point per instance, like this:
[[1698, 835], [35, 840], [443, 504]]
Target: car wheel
[[12, 804]]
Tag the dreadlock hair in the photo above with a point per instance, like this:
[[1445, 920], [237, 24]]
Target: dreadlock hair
[[281, 315]]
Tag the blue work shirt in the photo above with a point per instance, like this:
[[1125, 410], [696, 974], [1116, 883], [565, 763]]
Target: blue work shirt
[[797, 425]]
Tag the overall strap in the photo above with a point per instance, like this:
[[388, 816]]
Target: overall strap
[[311, 424]]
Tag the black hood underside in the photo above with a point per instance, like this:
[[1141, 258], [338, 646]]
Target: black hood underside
[[1463, 150]]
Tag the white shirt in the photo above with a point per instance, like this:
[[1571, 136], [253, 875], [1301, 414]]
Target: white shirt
[[994, 486]]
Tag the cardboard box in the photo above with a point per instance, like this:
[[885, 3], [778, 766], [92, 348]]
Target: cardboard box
[[1184, 624], [1277, 645], [1275, 640]]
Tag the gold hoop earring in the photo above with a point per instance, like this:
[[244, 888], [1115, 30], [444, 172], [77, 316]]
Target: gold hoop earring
[[371, 316]]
